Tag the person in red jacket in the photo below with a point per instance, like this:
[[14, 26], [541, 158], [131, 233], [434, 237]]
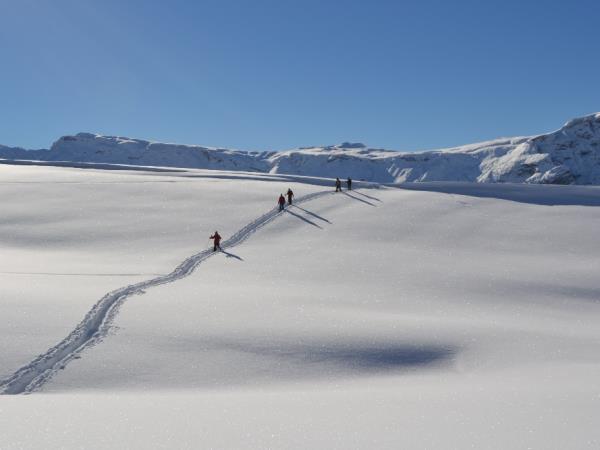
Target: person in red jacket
[[217, 239], [281, 202]]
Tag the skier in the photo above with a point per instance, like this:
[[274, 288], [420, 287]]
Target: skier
[[349, 182], [338, 185], [281, 202], [217, 239], [289, 194]]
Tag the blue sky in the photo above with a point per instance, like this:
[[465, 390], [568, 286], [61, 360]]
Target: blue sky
[[278, 74]]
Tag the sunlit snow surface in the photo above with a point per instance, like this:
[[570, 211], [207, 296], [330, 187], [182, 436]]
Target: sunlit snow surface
[[435, 315], [570, 155]]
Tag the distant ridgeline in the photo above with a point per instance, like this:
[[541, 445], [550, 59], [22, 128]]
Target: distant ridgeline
[[570, 155]]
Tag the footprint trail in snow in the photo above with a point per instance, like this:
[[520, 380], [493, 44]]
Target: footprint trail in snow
[[97, 322]]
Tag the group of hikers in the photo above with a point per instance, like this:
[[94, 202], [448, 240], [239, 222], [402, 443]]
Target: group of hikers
[[281, 201], [216, 237], [338, 184]]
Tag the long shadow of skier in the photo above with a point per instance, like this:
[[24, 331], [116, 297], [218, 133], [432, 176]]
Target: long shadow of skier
[[312, 214], [231, 255], [303, 218], [368, 196], [359, 199]]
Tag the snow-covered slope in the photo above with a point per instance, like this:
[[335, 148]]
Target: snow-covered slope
[[87, 147], [434, 315], [570, 155]]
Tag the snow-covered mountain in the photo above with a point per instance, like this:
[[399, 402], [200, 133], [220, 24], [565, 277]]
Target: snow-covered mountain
[[570, 155]]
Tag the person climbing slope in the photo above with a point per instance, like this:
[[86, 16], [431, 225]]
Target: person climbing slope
[[217, 239], [349, 183], [281, 202], [289, 194], [338, 185]]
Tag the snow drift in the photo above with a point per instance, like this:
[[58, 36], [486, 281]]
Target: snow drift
[[570, 155], [347, 320]]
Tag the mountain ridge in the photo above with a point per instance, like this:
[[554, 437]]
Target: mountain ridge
[[569, 155]]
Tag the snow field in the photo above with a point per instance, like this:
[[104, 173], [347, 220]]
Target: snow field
[[70, 236], [382, 318]]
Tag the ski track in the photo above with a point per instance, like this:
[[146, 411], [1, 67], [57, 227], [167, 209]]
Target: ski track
[[97, 322]]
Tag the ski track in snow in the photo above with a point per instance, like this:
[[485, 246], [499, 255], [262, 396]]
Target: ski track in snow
[[97, 322]]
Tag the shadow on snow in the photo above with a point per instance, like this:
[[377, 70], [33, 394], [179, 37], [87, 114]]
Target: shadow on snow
[[312, 214], [303, 218], [231, 255], [367, 196], [358, 199], [545, 195], [262, 360]]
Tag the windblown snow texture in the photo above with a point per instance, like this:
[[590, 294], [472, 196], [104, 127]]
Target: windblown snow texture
[[97, 322], [570, 155]]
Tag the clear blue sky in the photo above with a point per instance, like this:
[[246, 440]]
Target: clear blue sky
[[278, 74]]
